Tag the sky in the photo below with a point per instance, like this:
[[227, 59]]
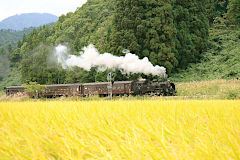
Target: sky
[[57, 7]]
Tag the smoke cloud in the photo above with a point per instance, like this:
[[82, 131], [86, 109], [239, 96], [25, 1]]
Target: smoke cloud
[[90, 57]]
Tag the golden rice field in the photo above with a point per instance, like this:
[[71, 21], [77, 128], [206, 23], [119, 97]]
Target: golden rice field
[[147, 129]]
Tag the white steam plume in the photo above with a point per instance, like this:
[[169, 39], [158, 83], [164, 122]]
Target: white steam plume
[[90, 57]]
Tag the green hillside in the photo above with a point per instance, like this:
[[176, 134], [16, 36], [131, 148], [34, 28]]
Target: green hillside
[[87, 25], [12, 37], [220, 61], [186, 37]]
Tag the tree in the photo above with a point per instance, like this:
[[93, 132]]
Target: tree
[[146, 28], [192, 30], [34, 89], [169, 33], [4, 64], [15, 57], [10, 49]]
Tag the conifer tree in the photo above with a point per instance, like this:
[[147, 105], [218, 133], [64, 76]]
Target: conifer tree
[[192, 30]]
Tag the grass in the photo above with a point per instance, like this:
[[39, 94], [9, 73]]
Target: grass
[[215, 89], [218, 89], [138, 129]]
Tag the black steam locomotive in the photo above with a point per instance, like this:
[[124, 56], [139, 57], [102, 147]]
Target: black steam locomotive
[[102, 89]]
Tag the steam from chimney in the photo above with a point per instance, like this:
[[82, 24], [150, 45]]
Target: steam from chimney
[[90, 57]]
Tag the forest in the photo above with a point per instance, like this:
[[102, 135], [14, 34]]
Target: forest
[[193, 40]]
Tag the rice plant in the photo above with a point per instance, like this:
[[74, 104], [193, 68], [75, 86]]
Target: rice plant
[[136, 129]]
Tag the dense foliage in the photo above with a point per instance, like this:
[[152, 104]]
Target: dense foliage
[[34, 90], [192, 30], [12, 37], [234, 12], [216, 8], [221, 61], [147, 29], [10, 43], [170, 33], [87, 25]]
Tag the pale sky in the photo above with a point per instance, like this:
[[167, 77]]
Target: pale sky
[[56, 7]]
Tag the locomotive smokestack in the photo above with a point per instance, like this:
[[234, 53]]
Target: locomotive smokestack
[[90, 57]]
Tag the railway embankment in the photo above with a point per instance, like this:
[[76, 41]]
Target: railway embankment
[[215, 89]]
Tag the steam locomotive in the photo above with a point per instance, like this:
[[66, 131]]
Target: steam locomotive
[[102, 89]]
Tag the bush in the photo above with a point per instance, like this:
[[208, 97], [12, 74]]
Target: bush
[[232, 94], [34, 90]]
